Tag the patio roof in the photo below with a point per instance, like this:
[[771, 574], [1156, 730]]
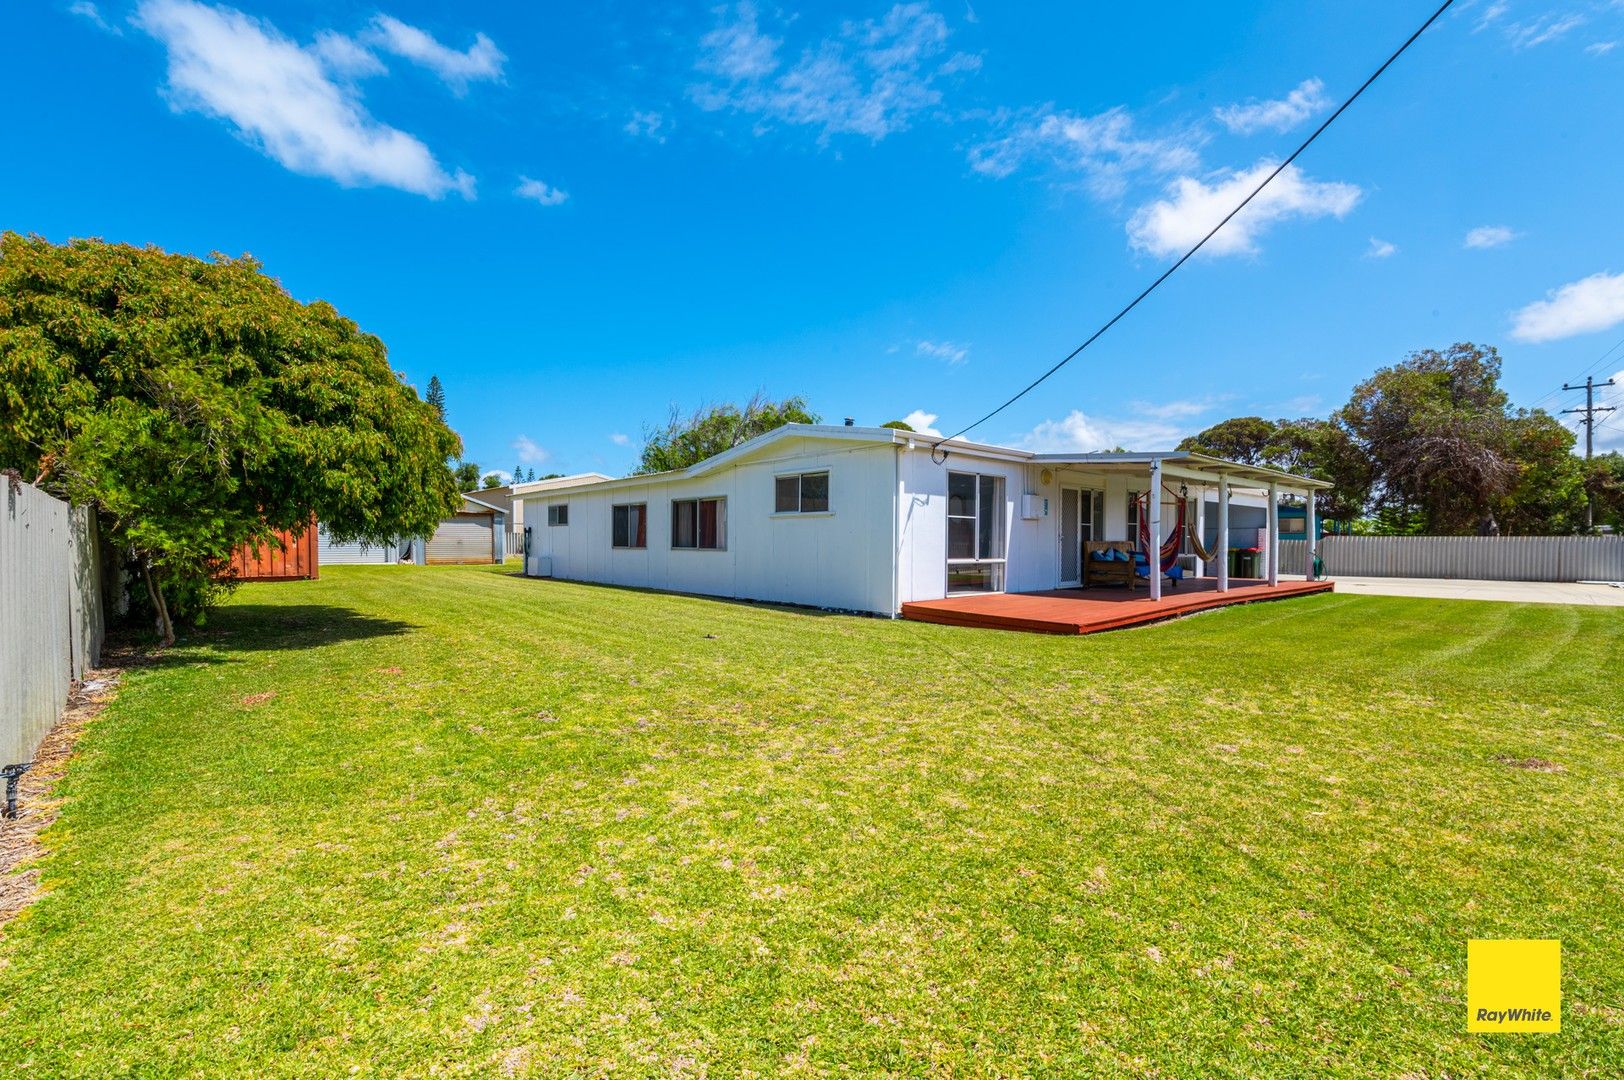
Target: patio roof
[[1188, 466]]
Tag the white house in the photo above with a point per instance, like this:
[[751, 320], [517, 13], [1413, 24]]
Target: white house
[[867, 519]]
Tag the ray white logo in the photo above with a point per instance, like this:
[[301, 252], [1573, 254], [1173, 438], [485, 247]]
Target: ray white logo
[[1513, 985]]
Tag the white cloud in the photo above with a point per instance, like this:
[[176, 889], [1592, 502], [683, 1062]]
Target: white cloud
[[1601, 48], [282, 100], [646, 125], [1078, 431], [91, 13], [950, 351], [1172, 225], [1380, 249], [922, 422], [480, 61], [537, 191], [1489, 236], [1490, 15], [620, 438], [1277, 115], [737, 49], [1103, 148], [530, 453], [1580, 307], [343, 55], [1539, 31], [872, 78], [1173, 409]]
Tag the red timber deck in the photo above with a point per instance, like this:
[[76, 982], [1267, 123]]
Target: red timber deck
[[1088, 611]]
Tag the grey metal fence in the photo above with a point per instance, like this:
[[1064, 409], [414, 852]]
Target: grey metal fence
[[1481, 558], [51, 617]]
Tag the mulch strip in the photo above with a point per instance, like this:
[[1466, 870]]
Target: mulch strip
[[37, 805]]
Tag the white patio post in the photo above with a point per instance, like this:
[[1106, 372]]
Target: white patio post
[[1223, 532], [1200, 531], [1154, 508], [1274, 533], [1308, 535]]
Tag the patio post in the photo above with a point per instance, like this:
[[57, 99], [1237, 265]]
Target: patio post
[[1153, 557], [1201, 530], [1308, 535], [1223, 532], [1274, 533]]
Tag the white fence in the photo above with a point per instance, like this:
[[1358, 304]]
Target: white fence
[[51, 619], [1481, 558]]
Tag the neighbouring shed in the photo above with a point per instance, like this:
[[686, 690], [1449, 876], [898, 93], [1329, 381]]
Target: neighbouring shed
[[289, 557], [475, 534]]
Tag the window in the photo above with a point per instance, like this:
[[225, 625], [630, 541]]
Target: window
[[1133, 516], [630, 528], [803, 493], [975, 532], [699, 523], [1092, 525], [558, 514]]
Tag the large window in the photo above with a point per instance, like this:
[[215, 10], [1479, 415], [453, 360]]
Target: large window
[[699, 523], [1133, 516], [630, 529], [802, 493], [975, 533], [558, 514]]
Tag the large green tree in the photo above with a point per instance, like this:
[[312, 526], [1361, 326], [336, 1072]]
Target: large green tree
[[685, 440], [1604, 480], [201, 407], [1449, 455]]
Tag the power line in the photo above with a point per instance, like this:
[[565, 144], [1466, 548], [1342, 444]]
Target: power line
[[1594, 364], [1278, 169]]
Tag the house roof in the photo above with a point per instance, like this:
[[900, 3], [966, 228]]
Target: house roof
[[574, 480], [1200, 466]]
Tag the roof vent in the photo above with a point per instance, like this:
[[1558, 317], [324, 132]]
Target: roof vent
[[850, 422]]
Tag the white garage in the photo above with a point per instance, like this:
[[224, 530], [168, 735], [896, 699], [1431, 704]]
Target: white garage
[[476, 534]]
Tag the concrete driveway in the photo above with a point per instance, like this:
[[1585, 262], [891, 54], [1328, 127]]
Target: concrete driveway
[[1522, 592]]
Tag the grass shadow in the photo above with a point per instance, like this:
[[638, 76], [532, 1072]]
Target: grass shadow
[[242, 628]]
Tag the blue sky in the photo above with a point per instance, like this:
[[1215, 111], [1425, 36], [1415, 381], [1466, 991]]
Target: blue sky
[[580, 216]]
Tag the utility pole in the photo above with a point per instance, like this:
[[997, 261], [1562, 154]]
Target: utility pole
[[1590, 410]]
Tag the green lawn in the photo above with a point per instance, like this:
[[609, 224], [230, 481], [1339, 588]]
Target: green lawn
[[493, 826]]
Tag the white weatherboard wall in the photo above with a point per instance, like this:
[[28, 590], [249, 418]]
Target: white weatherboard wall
[[841, 559], [1032, 553]]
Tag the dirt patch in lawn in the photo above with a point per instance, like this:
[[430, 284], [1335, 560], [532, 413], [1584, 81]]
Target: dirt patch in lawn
[[1532, 764], [36, 808]]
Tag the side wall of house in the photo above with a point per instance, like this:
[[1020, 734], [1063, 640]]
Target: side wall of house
[[1032, 553], [840, 559]]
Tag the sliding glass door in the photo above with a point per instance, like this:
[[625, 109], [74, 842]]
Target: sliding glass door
[[975, 533]]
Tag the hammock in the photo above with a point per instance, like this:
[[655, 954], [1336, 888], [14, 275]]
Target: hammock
[[1170, 547]]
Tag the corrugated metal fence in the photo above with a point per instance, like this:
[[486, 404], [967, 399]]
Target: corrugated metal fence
[[51, 619], [1478, 558]]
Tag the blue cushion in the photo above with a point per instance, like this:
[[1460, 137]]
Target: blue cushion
[[1119, 555], [1103, 555]]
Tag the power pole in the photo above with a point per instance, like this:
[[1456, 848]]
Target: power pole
[[1590, 410]]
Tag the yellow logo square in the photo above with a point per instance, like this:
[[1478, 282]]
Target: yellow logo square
[[1513, 985]]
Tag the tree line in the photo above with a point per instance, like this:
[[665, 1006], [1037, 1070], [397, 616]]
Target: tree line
[[1433, 445]]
